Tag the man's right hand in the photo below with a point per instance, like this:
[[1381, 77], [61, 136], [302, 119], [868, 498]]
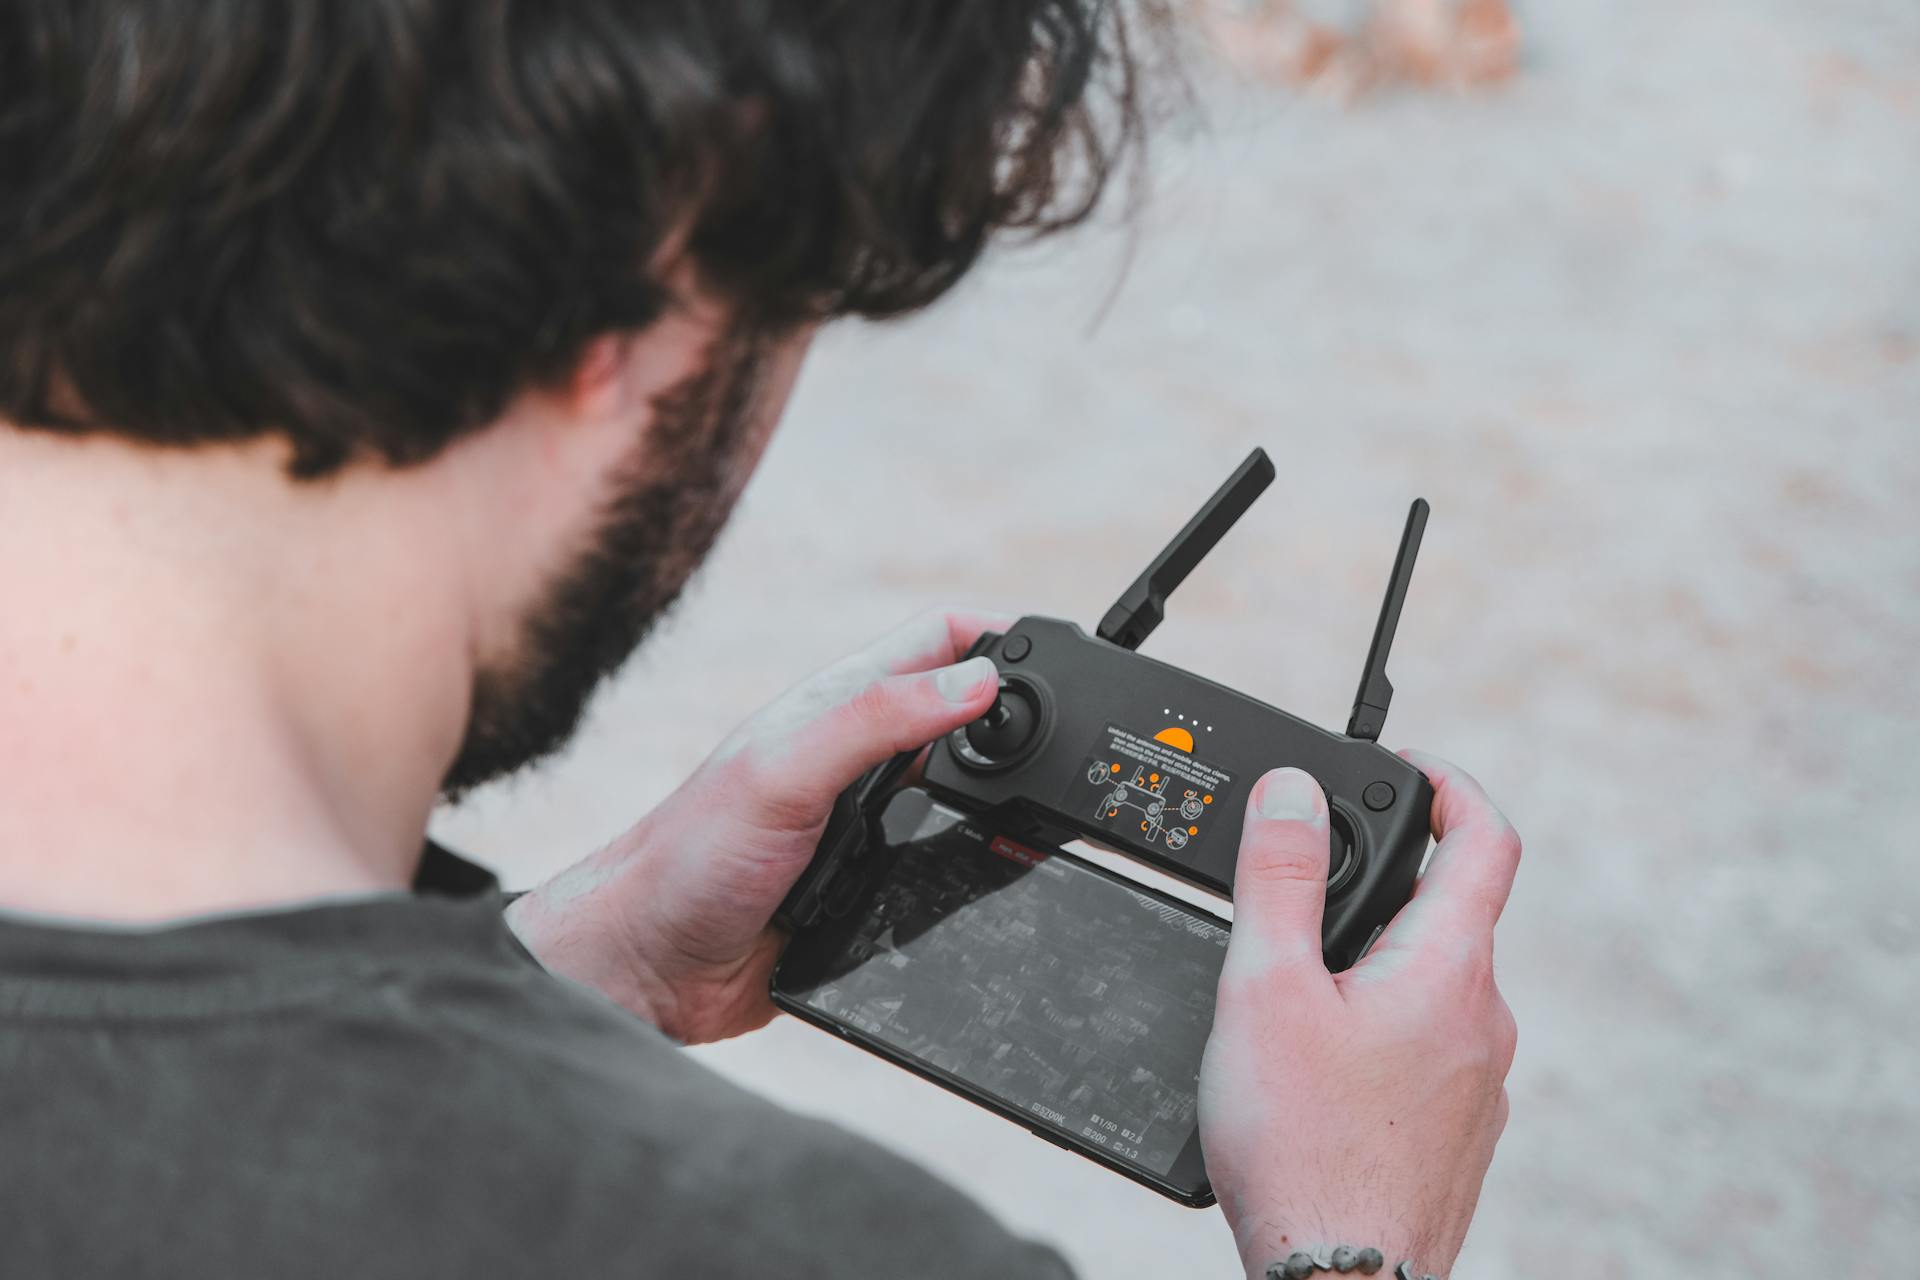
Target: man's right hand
[[1362, 1107]]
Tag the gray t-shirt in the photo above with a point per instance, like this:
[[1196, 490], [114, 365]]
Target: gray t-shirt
[[393, 1087]]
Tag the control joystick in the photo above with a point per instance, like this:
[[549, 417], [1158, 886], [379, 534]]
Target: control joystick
[[1006, 733]]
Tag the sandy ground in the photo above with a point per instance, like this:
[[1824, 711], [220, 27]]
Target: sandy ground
[[1645, 328]]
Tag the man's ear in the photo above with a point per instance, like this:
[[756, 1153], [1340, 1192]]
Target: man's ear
[[607, 383], [597, 385]]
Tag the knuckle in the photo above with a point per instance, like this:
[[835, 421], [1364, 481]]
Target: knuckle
[[1285, 862], [1277, 852], [1466, 964], [873, 704], [753, 771], [1506, 1036], [776, 798], [1458, 980], [1506, 840], [735, 765], [841, 681]]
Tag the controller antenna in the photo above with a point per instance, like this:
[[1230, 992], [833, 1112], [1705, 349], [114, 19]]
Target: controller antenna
[[1376, 691], [1141, 607]]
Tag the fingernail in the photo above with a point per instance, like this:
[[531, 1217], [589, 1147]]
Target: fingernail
[[960, 682], [1288, 795]]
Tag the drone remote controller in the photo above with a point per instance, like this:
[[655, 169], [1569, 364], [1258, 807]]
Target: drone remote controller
[[1091, 739]]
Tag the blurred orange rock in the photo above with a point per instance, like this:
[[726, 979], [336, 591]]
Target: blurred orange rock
[[1486, 41], [1446, 43]]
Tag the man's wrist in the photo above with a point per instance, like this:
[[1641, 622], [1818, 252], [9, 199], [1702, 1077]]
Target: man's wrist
[[562, 931]]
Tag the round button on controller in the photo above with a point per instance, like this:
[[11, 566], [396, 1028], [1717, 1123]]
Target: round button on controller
[[1016, 648], [1378, 796]]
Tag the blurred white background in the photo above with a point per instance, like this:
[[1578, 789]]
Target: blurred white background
[[1644, 326]]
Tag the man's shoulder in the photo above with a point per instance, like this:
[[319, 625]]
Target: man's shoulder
[[645, 1158]]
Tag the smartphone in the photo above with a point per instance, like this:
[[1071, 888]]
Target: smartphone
[[1023, 978]]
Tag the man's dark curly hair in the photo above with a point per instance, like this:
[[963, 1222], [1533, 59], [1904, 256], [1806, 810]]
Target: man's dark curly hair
[[365, 225]]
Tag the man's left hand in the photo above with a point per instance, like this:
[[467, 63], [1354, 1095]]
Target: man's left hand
[[673, 920]]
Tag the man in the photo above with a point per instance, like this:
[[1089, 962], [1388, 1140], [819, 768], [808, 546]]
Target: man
[[371, 375]]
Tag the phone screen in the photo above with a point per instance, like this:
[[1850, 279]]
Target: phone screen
[[1026, 979]]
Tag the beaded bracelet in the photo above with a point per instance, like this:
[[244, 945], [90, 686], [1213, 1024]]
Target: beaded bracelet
[[1300, 1264]]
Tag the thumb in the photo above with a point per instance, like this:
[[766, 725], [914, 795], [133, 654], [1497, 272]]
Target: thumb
[[900, 713], [1280, 884], [853, 729]]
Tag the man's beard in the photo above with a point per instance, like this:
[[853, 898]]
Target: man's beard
[[673, 496]]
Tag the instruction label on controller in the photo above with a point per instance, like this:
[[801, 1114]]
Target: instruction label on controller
[[1141, 787]]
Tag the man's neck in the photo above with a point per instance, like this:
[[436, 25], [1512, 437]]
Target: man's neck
[[211, 698]]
